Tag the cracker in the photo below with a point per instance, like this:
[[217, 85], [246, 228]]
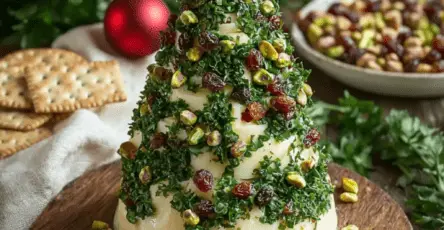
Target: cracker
[[32, 57], [13, 92], [14, 141], [61, 116], [66, 88], [23, 121]]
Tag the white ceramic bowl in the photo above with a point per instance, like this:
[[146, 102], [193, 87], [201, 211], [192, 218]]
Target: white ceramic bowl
[[380, 82]]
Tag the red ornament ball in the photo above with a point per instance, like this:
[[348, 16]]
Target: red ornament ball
[[133, 26]]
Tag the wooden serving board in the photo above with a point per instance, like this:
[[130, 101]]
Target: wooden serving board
[[93, 197]]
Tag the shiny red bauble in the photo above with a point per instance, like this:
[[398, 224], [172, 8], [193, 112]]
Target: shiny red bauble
[[133, 26]]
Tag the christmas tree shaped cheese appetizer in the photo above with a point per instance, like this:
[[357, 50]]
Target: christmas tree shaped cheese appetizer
[[220, 138]]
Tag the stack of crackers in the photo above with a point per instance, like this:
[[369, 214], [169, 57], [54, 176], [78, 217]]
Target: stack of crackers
[[40, 86]]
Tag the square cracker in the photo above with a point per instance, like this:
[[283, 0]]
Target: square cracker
[[13, 91], [14, 141], [32, 57], [66, 88], [23, 121]]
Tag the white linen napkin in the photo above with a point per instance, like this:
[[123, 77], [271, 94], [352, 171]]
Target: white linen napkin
[[32, 177]]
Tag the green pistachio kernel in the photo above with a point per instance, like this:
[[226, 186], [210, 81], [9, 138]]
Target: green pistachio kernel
[[195, 136], [194, 54], [99, 225], [238, 149], [335, 51], [307, 89], [366, 39], [190, 218], [214, 138], [178, 79], [268, 51], [302, 97], [324, 21], [145, 175], [267, 8], [127, 150], [144, 109], [262, 77], [188, 17], [314, 32], [296, 179], [284, 60], [188, 118], [227, 45], [280, 45]]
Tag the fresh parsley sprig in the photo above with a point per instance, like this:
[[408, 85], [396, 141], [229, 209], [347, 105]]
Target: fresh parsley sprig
[[413, 147]]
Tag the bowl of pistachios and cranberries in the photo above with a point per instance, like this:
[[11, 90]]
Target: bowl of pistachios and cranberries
[[390, 47]]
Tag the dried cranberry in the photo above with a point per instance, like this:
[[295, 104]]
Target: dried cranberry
[[158, 140], [311, 138], [203, 179], [208, 41], [337, 9], [353, 55], [276, 89], [438, 43], [243, 190], [402, 36], [129, 203], [168, 37], [410, 5], [438, 66], [213, 82], [172, 20], [432, 56], [204, 209], [373, 5], [185, 41], [264, 196], [242, 95], [393, 46], [288, 209], [276, 22], [254, 60], [347, 42], [311, 16], [254, 112], [283, 104], [432, 8], [352, 16], [412, 65]]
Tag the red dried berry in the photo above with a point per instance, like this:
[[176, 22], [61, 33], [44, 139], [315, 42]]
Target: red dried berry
[[432, 56], [243, 190], [254, 112], [254, 60], [373, 5], [438, 43], [203, 179], [158, 140], [213, 82], [204, 209], [185, 41], [242, 95], [275, 22], [311, 138], [172, 20], [283, 104], [412, 65], [129, 203], [264, 196], [276, 89], [168, 37], [438, 66], [393, 46], [208, 41]]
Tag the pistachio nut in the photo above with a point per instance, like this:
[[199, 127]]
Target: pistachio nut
[[393, 18], [307, 165], [314, 32], [367, 38], [296, 179], [195, 136], [381, 61], [357, 36], [178, 79], [188, 118], [190, 218], [267, 7], [127, 150], [194, 54], [349, 197], [335, 51], [284, 60], [424, 68], [144, 108], [145, 175], [280, 45], [238, 149], [262, 77], [367, 21], [188, 17], [379, 21], [350, 227], [227, 45], [372, 64], [302, 97], [214, 138], [99, 225], [364, 59], [268, 51], [343, 23], [325, 42], [325, 20], [350, 185], [307, 89]]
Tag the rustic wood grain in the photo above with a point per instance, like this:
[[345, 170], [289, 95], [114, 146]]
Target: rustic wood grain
[[93, 197]]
